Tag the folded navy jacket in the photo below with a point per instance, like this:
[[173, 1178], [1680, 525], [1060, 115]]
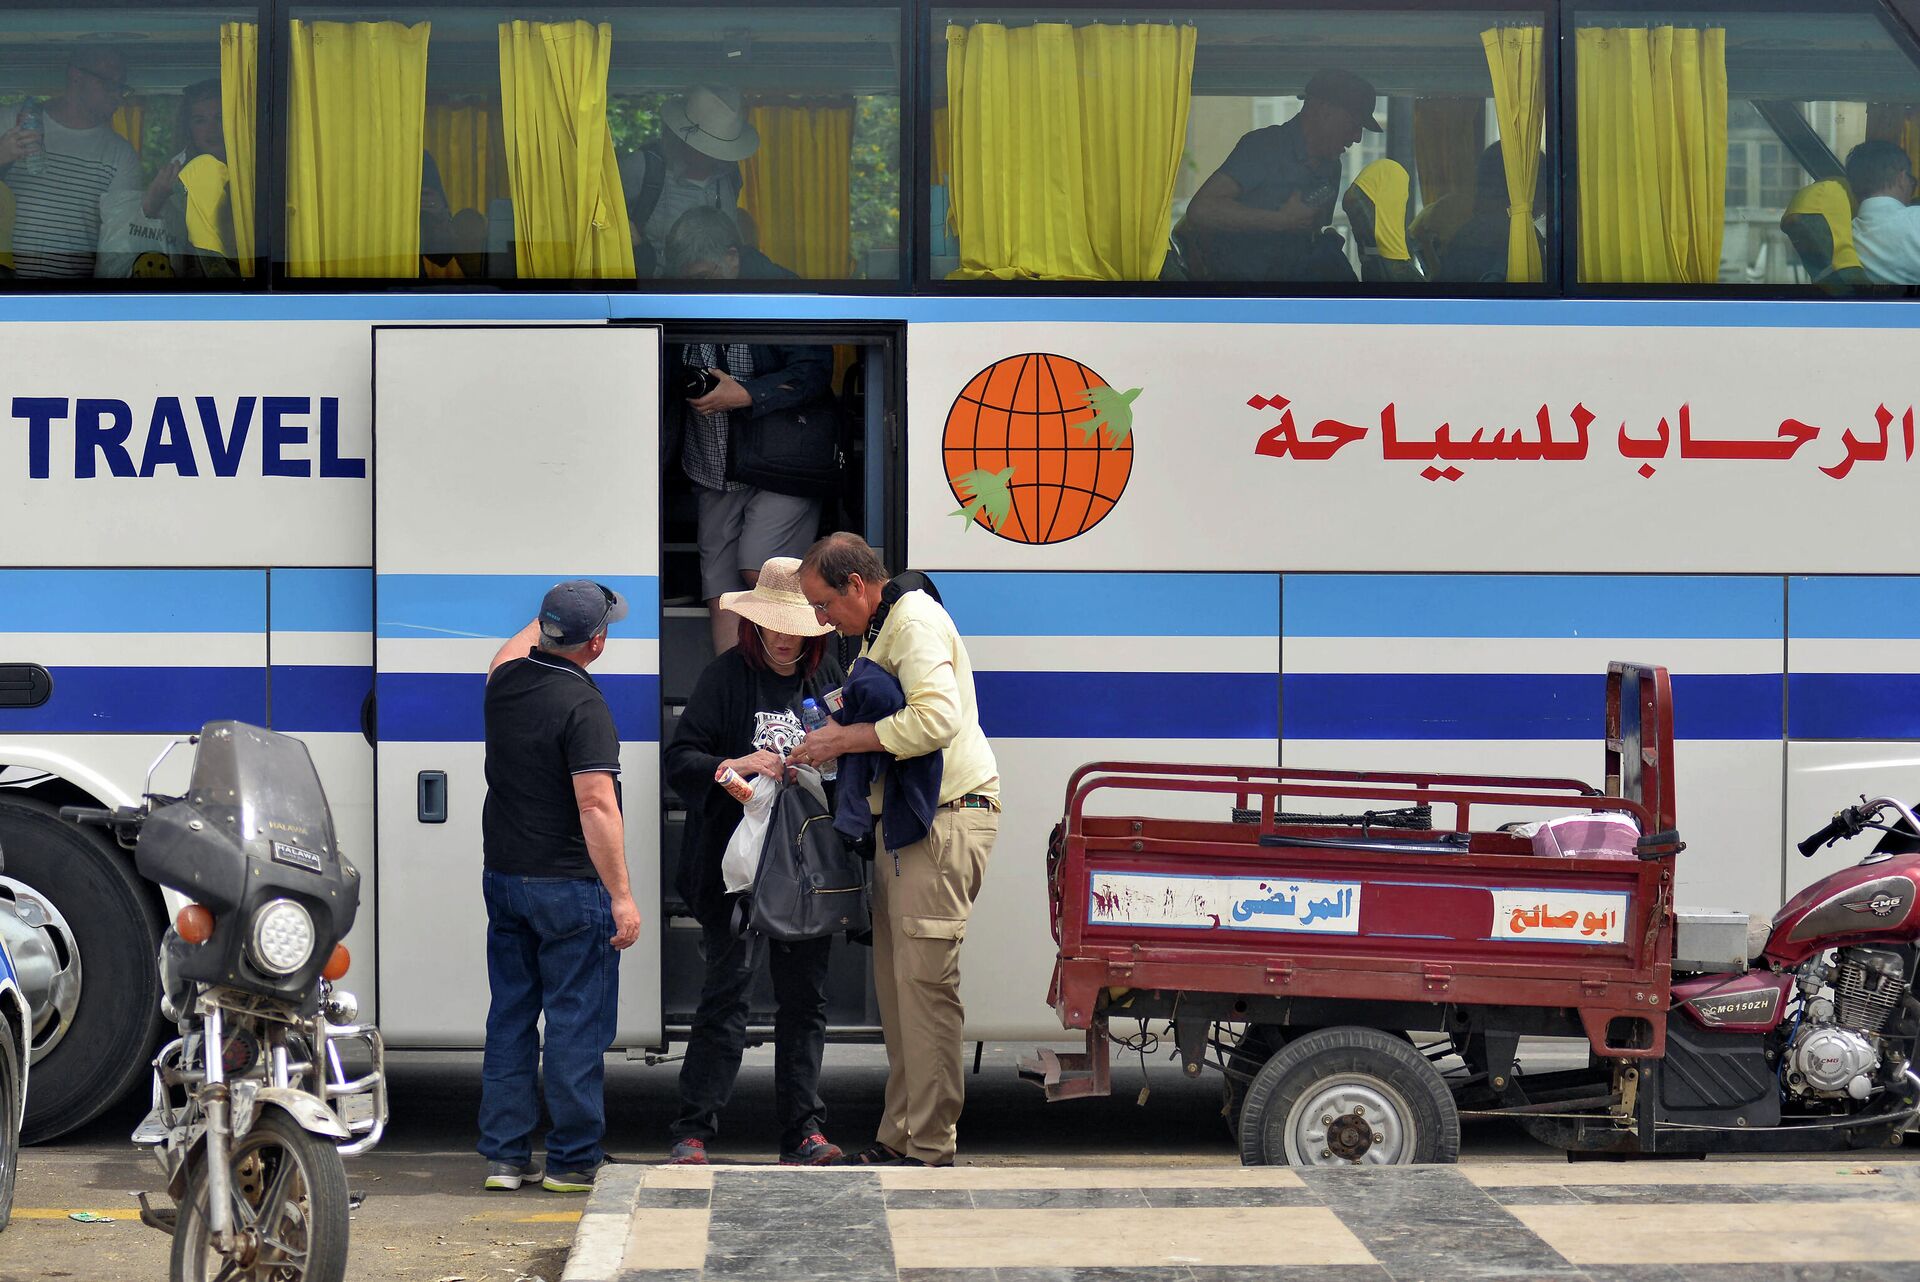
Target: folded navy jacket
[[912, 790]]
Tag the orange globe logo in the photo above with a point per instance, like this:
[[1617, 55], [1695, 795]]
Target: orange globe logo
[[1038, 448]]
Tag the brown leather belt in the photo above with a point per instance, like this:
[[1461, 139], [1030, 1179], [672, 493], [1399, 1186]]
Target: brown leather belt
[[973, 801]]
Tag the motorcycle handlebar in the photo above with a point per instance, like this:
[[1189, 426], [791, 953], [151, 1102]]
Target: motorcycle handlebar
[[87, 815], [1841, 825]]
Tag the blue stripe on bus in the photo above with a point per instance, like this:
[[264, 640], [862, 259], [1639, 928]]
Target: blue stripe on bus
[[448, 707], [443, 606], [111, 601], [115, 700], [1076, 604], [322, 600], [1530, 606], [1128, 705], [1853, 705], [429, 308], [1876, 607], [1513, 706], [319, 699]]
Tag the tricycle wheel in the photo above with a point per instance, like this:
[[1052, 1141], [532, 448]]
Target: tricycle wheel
[[1348, 1097], [1255, 1047]]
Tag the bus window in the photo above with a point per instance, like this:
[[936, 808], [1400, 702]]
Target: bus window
[[1320, 148], [452, 142], [127, 143], [1711, 145]]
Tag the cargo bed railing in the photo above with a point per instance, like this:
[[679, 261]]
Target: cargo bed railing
[[1272, 783]]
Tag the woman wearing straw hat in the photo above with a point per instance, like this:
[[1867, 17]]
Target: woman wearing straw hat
[[744, 714]]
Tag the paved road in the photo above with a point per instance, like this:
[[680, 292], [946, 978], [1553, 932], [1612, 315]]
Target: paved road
[[425, 1219]]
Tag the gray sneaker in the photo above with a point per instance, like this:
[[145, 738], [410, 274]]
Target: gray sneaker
[[570, 1181], [508, 1176]]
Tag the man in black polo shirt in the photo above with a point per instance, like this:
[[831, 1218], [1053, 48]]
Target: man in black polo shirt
[[1263, 213], [558, 903]]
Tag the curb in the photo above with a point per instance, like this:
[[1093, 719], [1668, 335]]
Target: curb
[[599, 1244]]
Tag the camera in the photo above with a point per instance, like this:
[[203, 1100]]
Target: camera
[[692, 383]]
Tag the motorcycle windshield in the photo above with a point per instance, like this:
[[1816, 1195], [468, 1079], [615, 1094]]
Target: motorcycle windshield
[[263, 788]]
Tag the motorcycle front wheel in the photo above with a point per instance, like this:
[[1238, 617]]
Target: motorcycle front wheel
[[289, 1207]]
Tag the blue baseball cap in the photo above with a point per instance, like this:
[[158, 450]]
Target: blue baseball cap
[[574, 611]]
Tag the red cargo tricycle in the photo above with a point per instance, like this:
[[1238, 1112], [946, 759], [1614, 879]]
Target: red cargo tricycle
[[1364, 980]]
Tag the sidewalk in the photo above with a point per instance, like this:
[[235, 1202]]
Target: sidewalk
[[1827, 1220]]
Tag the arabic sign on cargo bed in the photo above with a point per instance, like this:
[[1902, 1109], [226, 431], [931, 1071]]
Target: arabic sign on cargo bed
[[1232, 903], [1560, 916]]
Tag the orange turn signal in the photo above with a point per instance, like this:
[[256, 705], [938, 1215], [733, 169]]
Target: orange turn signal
[[336, 967], [194, 923]]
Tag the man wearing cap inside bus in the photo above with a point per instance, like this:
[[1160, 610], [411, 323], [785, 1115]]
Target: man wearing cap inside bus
[[559, 908], [695, 163], [1263, 213]]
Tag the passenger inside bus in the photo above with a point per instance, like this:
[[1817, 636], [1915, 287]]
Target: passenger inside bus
[[721, 389], [192, 192], [1478, 250], [706, 244], [1264, 214], [1886, 230], [68, 170], [693, 163]]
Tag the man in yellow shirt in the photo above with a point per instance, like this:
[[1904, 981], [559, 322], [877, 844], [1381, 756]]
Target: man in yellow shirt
[[922, 893]]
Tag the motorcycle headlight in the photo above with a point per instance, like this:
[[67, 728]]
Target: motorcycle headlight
[[281, 940]]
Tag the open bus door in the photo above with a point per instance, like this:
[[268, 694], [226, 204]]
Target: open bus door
[[506, 459]]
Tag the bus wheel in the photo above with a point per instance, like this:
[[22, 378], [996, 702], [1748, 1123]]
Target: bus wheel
[[1348, 1096], [95, 1026], [1255, 1047]]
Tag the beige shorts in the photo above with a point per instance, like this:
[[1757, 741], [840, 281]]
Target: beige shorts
[[740, 529]]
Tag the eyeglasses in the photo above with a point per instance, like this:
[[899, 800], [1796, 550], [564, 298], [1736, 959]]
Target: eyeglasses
[[120, 88]]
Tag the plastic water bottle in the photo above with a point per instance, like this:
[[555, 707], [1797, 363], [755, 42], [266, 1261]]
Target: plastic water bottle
[[33, 120], [813, 716]]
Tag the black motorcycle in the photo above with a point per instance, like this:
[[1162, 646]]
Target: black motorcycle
[[253, 1105]]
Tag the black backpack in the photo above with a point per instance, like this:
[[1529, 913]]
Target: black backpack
[[811, 884]]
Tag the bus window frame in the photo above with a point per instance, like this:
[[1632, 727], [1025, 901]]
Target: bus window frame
[[259, 282], [283, 282], [926, 283], [1906, 39]]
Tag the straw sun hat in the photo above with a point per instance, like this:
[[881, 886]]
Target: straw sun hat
[[777, 603]]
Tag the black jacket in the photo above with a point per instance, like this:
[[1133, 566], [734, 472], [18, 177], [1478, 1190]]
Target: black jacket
[[717, 725]]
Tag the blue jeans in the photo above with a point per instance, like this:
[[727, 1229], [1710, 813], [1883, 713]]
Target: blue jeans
[[547, 949]]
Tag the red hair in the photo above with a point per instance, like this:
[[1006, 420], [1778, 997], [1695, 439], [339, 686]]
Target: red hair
[[811, 653]]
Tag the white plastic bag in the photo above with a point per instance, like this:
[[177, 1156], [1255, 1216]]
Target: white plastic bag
[[741, 862]]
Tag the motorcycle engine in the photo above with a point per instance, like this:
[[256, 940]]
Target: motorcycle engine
[[1830, 1060], [1840, 1058]]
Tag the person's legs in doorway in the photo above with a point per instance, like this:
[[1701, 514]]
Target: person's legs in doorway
[[721, 517], [718, 1038]]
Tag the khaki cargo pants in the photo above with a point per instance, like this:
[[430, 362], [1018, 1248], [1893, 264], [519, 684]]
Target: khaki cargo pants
[[919, 919]]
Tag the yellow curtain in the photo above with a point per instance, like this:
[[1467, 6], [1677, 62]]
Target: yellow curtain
[[464, 141], [1520, 103], [1896, 123], [1652, 133], [239, 108], [1446, 146], [355, 126], [569, 213], [127, 122], [1065, 147], [797, 187], [942, 147]]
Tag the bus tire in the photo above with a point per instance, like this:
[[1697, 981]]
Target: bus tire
[[1349, 1096], [109, 918]]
